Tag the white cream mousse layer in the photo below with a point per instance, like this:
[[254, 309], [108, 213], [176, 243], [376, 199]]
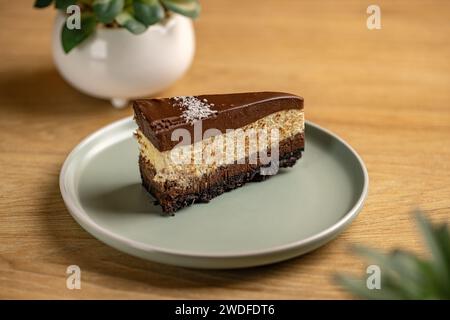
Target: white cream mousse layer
[[184, 163]]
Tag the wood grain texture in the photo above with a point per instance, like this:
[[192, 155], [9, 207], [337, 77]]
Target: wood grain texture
[[386, 92]]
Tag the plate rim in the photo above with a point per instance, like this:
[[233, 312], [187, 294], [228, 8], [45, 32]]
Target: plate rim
[[88, 224]]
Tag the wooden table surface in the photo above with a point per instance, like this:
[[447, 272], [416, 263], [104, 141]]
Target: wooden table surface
[[387, 92]]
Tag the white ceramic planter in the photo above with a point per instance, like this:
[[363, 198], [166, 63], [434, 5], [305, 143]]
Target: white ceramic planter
[[117, 65]]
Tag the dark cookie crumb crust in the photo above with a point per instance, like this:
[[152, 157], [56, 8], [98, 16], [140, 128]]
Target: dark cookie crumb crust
[[174, 202]]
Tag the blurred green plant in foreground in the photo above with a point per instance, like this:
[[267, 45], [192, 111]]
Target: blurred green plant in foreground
[[405, 276], [134, 15]]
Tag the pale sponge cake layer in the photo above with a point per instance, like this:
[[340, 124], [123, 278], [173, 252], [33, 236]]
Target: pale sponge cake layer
[[186, 163]]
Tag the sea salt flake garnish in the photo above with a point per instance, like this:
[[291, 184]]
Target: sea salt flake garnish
[[193, 109]]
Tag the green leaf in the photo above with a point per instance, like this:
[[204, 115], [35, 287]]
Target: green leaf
[[189, 8], [405, 275], [148, 11], [63, 4], [107, 10], [438, 250], [42, 3], [442, 234], [126, 20], [71, 38], [438, 241], [414, 275]]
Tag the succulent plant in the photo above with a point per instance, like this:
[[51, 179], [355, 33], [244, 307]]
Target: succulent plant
[[405, 276], [134, 15]]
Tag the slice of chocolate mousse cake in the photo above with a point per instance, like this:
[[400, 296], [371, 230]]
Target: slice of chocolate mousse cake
[[194, 148]]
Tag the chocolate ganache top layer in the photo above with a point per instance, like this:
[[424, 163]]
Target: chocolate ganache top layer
[[158, 118]]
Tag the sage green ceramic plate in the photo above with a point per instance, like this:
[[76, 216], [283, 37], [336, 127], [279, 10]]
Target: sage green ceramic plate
[[292, 213]]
